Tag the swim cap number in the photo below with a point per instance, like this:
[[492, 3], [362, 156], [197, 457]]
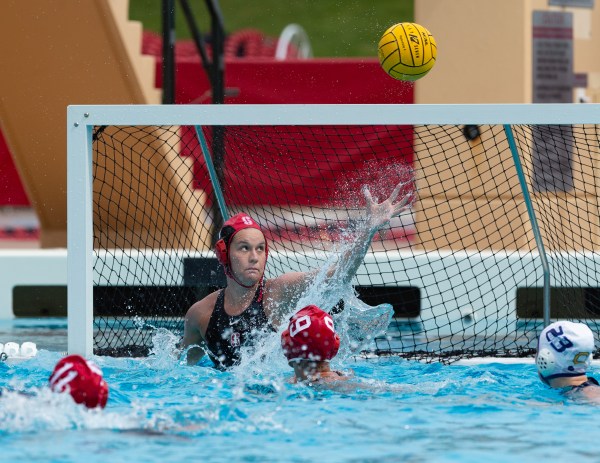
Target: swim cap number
[[302, 323], [557, 340]]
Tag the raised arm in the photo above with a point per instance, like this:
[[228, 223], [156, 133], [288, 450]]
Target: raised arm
[[286, 289], [376, 216]]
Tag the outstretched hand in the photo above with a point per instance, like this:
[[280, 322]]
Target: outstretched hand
[[380, 214]]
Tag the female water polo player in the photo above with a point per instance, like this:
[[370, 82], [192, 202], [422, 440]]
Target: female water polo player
[[80, 378], [564, 354], [251, 306]]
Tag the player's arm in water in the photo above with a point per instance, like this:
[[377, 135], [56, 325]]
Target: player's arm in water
[[290, 286], [193, 337]]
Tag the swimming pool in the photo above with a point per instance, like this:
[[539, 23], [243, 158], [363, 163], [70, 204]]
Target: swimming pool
[[160, 410]]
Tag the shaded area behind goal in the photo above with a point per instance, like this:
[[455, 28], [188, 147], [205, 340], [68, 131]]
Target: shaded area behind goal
[[461, 269]]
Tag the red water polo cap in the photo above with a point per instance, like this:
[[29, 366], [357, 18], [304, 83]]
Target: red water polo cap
[[230, 228], [82, 379], [310, 336]]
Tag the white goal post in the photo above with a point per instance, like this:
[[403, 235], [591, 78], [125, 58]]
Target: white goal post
[[82, 120]]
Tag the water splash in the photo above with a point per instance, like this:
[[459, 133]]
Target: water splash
[[41, 409], [358, 324], [164, 353]]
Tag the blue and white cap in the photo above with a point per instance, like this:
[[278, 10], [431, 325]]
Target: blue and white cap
[[564, 349]]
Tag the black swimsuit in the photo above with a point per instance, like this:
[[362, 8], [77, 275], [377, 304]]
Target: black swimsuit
[[226, 334]]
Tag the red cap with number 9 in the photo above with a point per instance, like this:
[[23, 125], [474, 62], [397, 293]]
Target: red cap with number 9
[[310, 336]]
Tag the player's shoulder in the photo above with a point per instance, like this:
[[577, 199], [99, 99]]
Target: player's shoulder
[[204, 306], [336, 375], [590, 390], [286, 282], [591, 385]]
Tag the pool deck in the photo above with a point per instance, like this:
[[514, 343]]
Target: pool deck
[[19, 228], [22, 260]]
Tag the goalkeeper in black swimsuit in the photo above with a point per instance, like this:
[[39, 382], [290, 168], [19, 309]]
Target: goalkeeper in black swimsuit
[[564, 355], [250, 306]]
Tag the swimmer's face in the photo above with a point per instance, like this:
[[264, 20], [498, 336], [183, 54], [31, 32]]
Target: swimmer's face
[[247, 254]]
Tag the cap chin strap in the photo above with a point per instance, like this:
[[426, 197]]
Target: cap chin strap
[[547, 379], [230, 274]]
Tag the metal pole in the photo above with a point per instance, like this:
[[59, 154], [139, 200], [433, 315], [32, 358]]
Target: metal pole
[[80, 235], [212, 173], [218, 92], [168, 61], [197, 36], [534, 225], [218, 45]]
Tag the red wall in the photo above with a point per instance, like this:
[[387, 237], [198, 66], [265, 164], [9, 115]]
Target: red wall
[[11, 189], [264, 81], [259, 81], [325, 81]]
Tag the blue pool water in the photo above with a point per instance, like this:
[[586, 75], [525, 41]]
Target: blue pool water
[[396, 410]]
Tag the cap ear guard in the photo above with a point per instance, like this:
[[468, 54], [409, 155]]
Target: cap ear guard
[[225, 236], [221, 252], [545, 362]]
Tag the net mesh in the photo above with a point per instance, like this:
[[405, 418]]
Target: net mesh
[[461, 268]]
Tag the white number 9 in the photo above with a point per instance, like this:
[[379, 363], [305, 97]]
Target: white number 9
[[300, 324]]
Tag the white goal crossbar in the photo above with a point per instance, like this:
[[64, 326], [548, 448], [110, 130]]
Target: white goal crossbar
[[82, 119]]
